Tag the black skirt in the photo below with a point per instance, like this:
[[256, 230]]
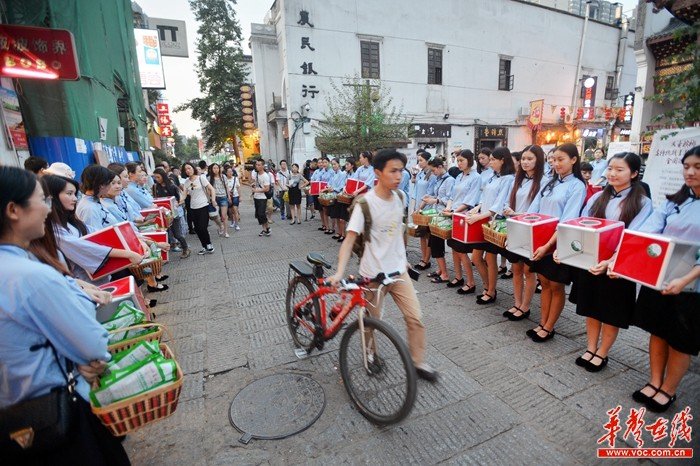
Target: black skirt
[[510, 256], [294, 195], [334, 210], [560, 273], [675, 318], [460, 247], [602, 298]]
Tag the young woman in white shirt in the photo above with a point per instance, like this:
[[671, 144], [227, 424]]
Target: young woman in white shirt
[[233, 184], [202, 199]]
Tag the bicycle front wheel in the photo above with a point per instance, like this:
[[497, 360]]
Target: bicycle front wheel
[[385, 389]]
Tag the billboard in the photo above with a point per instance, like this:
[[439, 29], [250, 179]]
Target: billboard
[[37, 53], [172, 34], [149, 59]]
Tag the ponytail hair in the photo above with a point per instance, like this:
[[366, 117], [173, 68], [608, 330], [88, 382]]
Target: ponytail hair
[[632, 204]]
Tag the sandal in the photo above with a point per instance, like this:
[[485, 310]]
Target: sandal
[[490, 299], [469, 290], [438, 279], [549, 335], [582, 362], [640, 397], [522, 316]]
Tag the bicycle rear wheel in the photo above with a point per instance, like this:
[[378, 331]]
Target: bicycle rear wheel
[[385, 391], [302, 322]]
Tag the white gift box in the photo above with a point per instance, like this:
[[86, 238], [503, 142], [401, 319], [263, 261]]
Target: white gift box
[[586, 241], [654, 260], [529, 232]]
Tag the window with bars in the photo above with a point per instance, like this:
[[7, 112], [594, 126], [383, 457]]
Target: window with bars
[[610, 91], [505, 78], [369, 55], [434, 66]]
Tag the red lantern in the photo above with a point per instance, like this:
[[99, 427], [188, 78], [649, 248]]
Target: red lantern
[[608, 113], [579, 114], [622, 114], [562, 113]]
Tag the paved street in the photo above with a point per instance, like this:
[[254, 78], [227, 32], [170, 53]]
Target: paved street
[[502, 399]]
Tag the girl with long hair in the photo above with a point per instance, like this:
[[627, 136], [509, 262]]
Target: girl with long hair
[[202, 198], [297, 182], [234, 186], [561, 197], [671, 316], [223, 197], [608, 304], [525, 187], [424, 183], [337, 185], [465, 195], [493, 198], [438, 197], [164, 187]]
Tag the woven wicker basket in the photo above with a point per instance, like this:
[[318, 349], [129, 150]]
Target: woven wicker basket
[[494, 237], [140, 271], [440, 232], [129, 342], [131, 414], [420, 219], [326, 201], [345, 198]]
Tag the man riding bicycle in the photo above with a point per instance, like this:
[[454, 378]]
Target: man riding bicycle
[[385, 252]]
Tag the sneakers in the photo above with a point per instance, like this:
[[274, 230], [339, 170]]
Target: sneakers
[[185, 254], [232, 224], [226, 235], [282, 217], [202, 251], [262, 233], [267, 232], [176, 249], [210, 249], [237, 227], [425, 372]]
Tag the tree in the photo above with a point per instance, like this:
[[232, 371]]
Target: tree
[[361, 116], [220, 70]]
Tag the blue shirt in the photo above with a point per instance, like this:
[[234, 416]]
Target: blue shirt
[[337, 182], [140, 194], [114, 209], [599, 167], [82, 256], [128, 205], [442, 189], [326, 175], [564, 200], [677, 221], [366, 175], [316, 175], [485, 175], [466, 190], [424, 180], [94, 214], [405, 185], [523, 193], [613, 209], [39, 304], [495, 194]]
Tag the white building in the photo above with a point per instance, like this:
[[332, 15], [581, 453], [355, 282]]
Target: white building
[[486, 61]]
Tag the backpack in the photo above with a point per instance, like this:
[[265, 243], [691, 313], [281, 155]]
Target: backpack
[[358, 248]]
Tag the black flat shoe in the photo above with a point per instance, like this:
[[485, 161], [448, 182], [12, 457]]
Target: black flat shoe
[[456, 283], [469, 290], [549, 335], [162, 279], [582, 362], [640, 397], [538, 288], [502, 270], [657, 407], [336, 236], [507, 275], [329, 232], [438, 279], [321, 228], [488, 300], [507, 312], [341, 239], [590, 367], [425, 266], [156, 289], [533, 331], [434, 274]]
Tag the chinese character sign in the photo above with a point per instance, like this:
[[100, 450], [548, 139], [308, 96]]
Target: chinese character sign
[[37, 53], [149, 59], [164, 121], [664, 172], [535, 119]]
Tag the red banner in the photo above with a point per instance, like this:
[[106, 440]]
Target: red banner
[[37, 53], [162, 108]]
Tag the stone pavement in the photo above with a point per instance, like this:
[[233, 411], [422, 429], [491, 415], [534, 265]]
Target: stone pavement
[[502, 399]]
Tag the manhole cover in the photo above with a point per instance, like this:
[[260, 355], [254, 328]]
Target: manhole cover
[[277, 406]]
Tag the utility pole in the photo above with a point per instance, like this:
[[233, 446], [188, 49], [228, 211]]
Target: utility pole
[[577, 80]]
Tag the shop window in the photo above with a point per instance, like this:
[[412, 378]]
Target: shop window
[[369, 55], [610, 91], [434, 66], [505, 78]]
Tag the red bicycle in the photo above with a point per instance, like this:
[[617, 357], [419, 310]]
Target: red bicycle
[[374, 362]]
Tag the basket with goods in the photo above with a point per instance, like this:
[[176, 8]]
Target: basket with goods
[[441, 227], [141, 385], [127, 328], [151, 265], [424, 217], [345, 198], [327, 199], [495, 232], [412, 230]]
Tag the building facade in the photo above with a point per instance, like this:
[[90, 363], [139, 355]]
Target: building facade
[[465, 72]]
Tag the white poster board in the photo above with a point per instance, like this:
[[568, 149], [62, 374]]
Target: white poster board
[[618, 147], [664, 173]]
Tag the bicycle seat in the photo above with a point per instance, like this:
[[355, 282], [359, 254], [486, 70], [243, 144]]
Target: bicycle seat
[[302, 268], [316, 258]]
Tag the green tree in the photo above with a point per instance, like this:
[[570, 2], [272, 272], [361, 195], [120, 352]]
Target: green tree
[[361, 116], [220, 70]]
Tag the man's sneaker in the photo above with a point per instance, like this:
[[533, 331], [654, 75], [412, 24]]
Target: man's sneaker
[[262, 233], [202, 251], [237, 227], [267, 232], [176, 249], [210, 249], [226, 235], [232, 224], [426, 372]]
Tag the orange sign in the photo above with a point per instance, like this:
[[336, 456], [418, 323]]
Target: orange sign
[[535, 119]]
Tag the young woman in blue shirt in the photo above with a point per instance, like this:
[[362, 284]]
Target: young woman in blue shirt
[[438, 197], [423, 184]]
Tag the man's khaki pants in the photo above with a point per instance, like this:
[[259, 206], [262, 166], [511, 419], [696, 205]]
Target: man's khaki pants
[[405, 298]]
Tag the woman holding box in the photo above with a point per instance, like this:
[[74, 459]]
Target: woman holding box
[[336, 185], [493, 198], [606, 303], [671, 316], [46, 321], [164, 187], [424, 183], [438, 197], [561, 197], [343, 209], [526, 186], [465, 195], [297, 182]]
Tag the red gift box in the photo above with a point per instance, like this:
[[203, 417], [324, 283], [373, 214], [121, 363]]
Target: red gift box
[[585, 241], [654, 260], [160, 219], [119, 236], [528, 232], [317, 187], [169, 203], [122, 290], [596, 188], [159, 237], [466, 233], [353, 185]]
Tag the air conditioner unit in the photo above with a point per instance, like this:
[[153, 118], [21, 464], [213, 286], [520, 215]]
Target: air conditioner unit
[[524, 111]]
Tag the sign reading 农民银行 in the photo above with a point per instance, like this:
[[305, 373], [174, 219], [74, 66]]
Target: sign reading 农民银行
[[37, 53]]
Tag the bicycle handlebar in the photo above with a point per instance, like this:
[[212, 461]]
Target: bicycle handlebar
[[381, 278]]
